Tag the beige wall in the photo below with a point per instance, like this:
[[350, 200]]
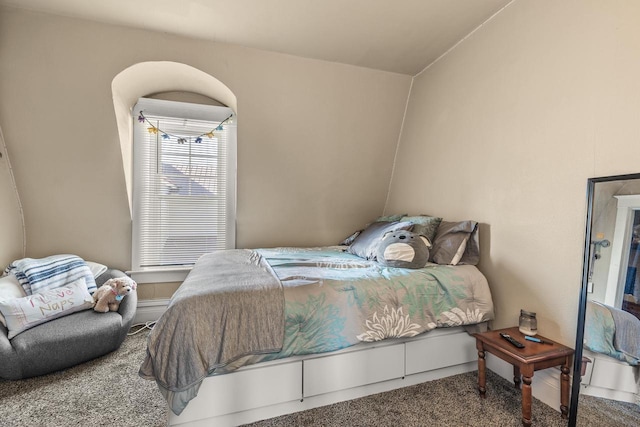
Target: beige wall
[[316, 140], [11, 220], [506, 129]]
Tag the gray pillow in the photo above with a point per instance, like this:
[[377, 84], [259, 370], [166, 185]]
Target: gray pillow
[[349, 240], [425, 225], [471, 255], [456, 243], [366, 243]]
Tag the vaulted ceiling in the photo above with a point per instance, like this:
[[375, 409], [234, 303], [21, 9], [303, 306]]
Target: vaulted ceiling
[[401, 36]]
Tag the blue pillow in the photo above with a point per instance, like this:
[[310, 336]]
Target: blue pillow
[[366, 243]]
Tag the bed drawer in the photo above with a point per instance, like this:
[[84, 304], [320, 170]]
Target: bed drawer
[[613, 374], [246, 389], [439, 352], [343, 371]]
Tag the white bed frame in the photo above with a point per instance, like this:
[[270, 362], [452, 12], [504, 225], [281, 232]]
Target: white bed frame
[[275, 388], [609, 378]]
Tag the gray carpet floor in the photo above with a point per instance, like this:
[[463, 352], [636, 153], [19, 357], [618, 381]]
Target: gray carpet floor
[[103, 392], [108, 391], [593, 411], [454, 401]]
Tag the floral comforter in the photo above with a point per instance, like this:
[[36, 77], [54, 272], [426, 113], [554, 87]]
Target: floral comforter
[[334, 299]]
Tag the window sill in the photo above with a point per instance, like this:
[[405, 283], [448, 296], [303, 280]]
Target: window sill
[[160, 275]]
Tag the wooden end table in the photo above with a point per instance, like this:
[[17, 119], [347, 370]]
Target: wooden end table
[[533, 357]]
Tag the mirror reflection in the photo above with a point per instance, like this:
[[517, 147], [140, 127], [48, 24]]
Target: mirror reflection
[[611, 341]]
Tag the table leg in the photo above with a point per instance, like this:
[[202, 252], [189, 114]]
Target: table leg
[[564, 389], [516, 376], [482, 379], [526, 400]]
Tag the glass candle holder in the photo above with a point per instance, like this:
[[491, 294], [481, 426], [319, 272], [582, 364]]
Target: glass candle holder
[[528, 324]]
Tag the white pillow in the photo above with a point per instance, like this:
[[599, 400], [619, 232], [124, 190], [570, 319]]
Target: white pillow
[[96, 268], [25, 313], [10, 288]]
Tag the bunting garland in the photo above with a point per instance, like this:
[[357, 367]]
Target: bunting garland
[[181, 140]]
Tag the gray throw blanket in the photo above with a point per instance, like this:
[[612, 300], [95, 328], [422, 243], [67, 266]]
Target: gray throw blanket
[[231, 305], [627, 335]]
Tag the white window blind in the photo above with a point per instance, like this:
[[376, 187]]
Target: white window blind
[[184, 184]]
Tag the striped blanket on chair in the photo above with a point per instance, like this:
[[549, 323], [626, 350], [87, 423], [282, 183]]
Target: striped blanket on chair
[[38, 275]]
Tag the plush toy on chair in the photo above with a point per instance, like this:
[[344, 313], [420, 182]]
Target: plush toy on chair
[[108, 296], [403, 249]]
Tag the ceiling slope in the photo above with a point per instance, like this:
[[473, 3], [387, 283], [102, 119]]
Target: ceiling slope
[[402, 36]]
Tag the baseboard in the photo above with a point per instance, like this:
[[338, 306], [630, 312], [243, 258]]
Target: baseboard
[[545, 385], [150, 310]]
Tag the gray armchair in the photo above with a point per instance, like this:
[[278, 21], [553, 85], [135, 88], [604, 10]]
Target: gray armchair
[[66, 341]]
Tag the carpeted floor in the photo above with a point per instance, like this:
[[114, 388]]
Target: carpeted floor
[[454, 401], [108, 391], [594, 411], [104, 392]]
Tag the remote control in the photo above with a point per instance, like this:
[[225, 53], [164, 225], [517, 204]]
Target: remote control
[[511, 340]]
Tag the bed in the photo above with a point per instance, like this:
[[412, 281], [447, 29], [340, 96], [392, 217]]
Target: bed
[[284, 314], [612, 345]]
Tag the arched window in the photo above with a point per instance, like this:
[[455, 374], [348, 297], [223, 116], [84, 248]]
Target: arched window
[[175, 167]]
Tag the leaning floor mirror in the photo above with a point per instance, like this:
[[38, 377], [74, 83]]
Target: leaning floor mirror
[[606, 371]]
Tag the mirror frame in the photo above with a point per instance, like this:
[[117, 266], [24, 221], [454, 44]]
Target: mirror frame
[[582, 302]]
